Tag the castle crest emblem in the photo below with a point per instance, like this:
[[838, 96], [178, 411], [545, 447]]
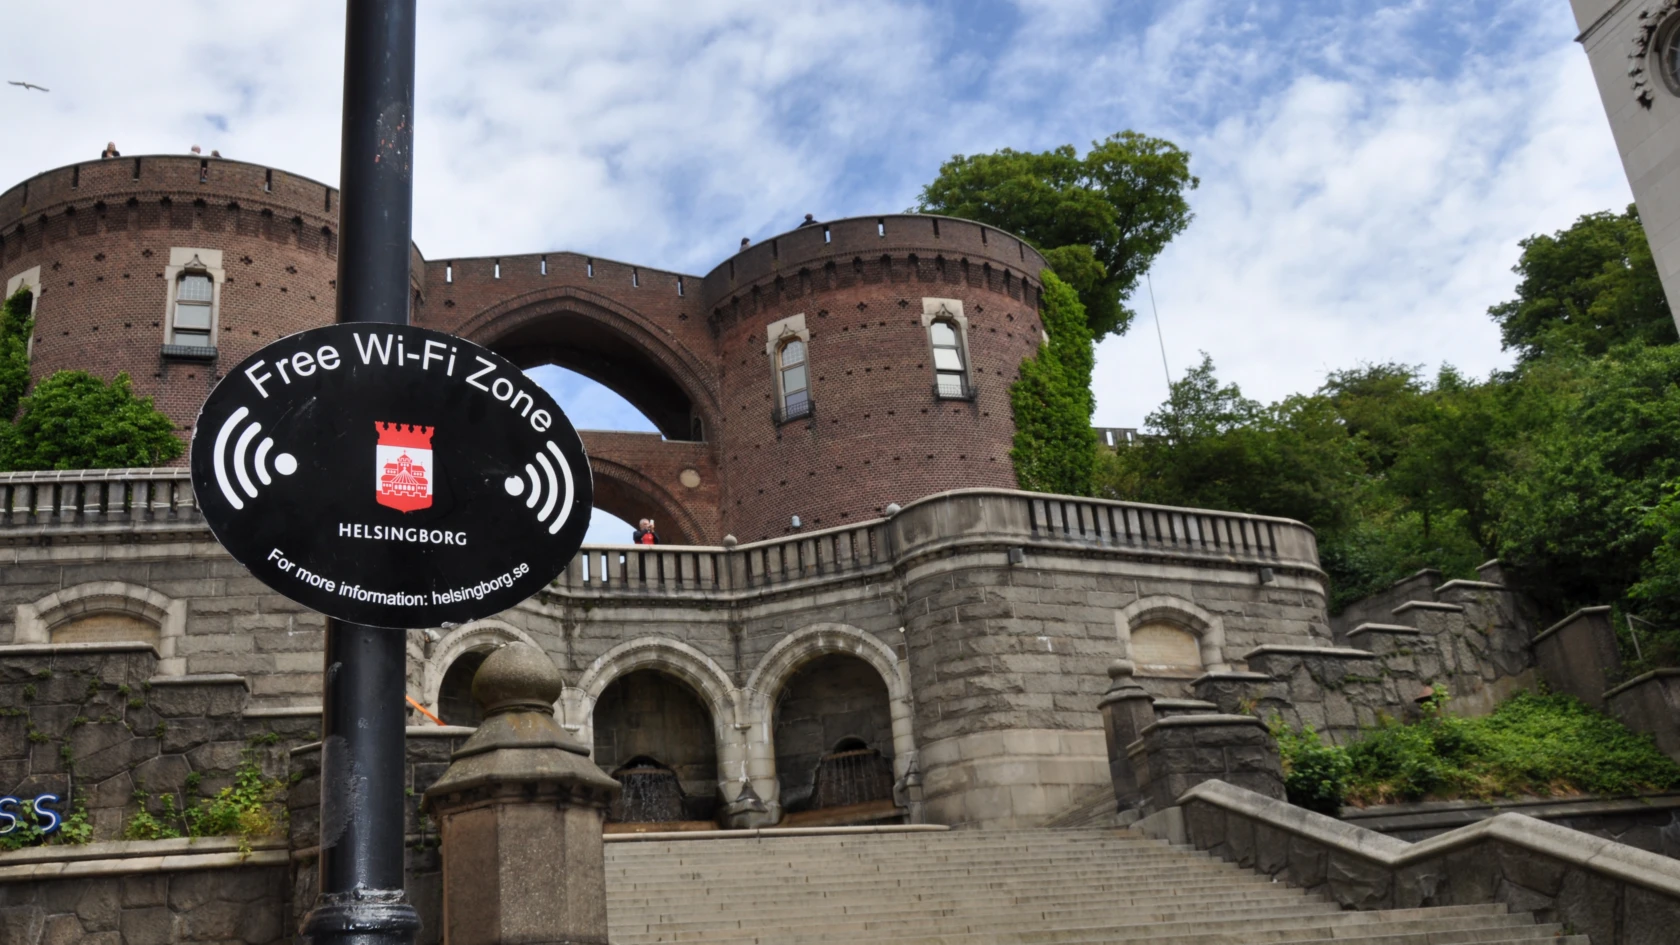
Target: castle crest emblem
[[403, 466]]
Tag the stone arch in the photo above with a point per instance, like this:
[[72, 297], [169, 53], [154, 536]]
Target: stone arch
[[1206, 627], [672, 657], [607, 342], [683, 662], [478, 635], [821, 639], [631, 494], [36, 622]]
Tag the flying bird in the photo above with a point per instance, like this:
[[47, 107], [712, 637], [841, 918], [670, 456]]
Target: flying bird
[[27, 85]]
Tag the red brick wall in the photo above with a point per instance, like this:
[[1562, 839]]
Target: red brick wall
[[688, 350], [102, 240], [878, 435]]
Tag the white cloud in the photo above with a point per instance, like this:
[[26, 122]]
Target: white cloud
[[1367, 169]]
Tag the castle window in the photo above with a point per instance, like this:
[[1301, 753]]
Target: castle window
[[792, 375], [950, 371], [193, 294], [195, 289]]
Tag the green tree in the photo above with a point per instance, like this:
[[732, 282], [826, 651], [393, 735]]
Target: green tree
[[15, 327], [1055, 447], [1100, 220], [1589, 288], [1211, 447], [1598, 455], [73, 420]]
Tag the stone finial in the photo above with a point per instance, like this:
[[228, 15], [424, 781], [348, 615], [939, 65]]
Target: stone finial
[[517, 676], [891, 509], [1118, 669], [730, 541]]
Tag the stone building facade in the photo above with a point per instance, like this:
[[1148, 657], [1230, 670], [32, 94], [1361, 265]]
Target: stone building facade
[[1634, 48], [964, 638]]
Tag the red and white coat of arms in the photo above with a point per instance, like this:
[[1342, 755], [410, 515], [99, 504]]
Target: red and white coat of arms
[[402, 461]]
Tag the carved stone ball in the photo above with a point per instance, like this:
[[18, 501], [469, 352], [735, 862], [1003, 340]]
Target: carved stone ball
[[517, 676], [1118, 669]]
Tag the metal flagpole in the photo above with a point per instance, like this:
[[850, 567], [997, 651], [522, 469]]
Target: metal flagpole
[[362, 753]]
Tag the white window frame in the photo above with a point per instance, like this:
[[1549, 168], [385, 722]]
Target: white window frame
[[949, 311], [777, 336], [184, 261]]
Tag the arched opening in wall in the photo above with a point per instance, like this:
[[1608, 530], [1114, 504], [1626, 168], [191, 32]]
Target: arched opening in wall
[[588, 347], [619, 505], [1166, 649], [832, 728], [456, 705], [107, 628], [655, 735]]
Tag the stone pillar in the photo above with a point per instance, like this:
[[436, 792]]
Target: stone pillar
[[520, 811], [1127, 709], [1175, 754]]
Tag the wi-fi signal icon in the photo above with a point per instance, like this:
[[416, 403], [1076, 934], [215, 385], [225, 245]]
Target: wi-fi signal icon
[[284, 463], [516, 486]]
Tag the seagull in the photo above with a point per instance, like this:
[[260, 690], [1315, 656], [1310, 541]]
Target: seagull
[[38, 88]]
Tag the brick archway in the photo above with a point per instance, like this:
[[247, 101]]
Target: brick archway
[[608, 343]]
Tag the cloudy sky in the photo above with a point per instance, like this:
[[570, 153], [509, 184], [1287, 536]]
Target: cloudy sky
[[1366, 167]]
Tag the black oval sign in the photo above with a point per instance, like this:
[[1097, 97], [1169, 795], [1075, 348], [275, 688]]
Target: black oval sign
[[390, 475]]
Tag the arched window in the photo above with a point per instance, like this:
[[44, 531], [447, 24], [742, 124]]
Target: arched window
[[191, 323], [794, 379], [949, 365]]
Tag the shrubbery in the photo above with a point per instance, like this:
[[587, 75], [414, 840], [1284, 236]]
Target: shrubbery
[[1532, 745], [248, 809]]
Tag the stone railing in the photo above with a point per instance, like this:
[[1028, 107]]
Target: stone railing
[[89, 503], [938, 524], [1614, 894], [96, 500]]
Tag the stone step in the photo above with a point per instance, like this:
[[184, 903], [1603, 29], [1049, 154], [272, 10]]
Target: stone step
[[856, 907], [1020, 896], [935, 916], [1071, 886], [1019, 886], [800, 874], [1127, 929]]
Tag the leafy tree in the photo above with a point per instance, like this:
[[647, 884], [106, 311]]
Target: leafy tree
[[1055, 446], [1588, 289], [1211, 447], [15, 327], [1100, 220], [73, 420]]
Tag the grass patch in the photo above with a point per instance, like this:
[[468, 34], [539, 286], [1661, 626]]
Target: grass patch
[[1535, 745]]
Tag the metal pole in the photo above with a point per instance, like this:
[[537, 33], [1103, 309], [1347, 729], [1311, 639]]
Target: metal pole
[[361, 900]]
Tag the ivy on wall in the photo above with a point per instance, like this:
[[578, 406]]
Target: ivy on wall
[[1055, 448]]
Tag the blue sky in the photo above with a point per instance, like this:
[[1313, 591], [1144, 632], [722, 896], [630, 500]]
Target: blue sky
[[1367, 168]]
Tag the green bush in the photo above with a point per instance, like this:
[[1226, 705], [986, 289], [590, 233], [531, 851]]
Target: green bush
[[1532, 745], [248, 809], [1315, 775]]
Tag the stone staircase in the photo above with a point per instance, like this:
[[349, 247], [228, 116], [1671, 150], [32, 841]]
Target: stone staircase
[[985, 887]]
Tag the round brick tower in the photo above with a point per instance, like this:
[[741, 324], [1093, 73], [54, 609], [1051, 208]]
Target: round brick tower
[[857, 311], [168, 267]]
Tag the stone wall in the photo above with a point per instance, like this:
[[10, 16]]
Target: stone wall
[[1614, 894], [155, 892], [1470, 638], [1578, 655], [1650, 703], [1176, 753], [94, 723]]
